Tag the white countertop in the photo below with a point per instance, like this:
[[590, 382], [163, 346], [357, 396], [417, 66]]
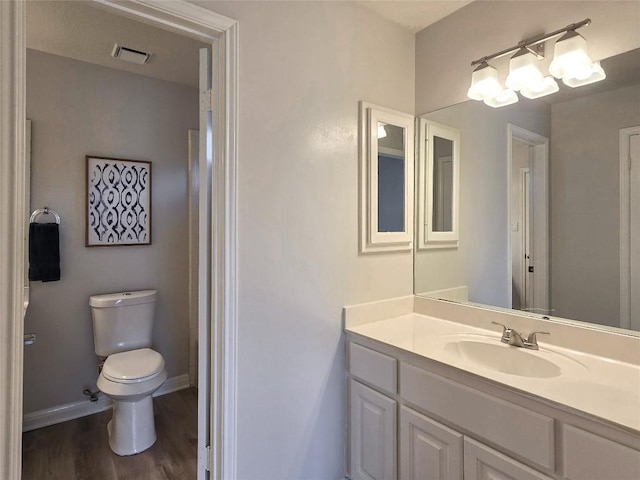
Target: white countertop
[[603, 387]]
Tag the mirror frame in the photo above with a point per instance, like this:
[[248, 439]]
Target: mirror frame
[[372, 240], [427, 237]]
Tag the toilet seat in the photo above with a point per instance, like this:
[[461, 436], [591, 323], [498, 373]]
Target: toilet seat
[[133, 366]]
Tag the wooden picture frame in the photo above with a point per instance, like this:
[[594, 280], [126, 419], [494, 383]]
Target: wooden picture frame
[[118, 202]]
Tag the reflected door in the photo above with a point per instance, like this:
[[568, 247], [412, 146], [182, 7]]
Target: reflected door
[[634, 240]]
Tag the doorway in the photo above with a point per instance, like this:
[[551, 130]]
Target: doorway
[[217, 405], [528, 243], [630, 228]]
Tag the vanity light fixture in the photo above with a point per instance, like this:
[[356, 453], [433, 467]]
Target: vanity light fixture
[[571, 63], [382, 132]]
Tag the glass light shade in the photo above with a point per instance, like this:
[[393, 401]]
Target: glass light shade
[[570, 57], [546, 86], [484, 82], [523, 71], [595, 75], [502, 99], [382, 132]]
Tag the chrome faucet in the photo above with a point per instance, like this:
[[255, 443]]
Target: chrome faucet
[[514, 338]]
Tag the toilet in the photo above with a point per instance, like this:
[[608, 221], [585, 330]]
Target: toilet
[[122, 327]]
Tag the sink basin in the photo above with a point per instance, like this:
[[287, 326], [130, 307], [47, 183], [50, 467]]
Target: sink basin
[[503, 358]]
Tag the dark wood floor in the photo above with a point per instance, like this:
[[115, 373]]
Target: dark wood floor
[[79, 449]]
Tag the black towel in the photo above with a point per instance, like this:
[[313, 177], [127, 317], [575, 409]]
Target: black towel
[[44, 252]]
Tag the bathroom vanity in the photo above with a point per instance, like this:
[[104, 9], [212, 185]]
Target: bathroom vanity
[[434, 394]]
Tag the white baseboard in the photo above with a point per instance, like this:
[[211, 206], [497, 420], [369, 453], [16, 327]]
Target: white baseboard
[[70, 411]]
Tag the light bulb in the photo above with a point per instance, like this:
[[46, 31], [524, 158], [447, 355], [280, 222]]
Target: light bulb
[[570, 58], [596, 73], [546, 86], [523, 71], [484, 82], [502, 99]]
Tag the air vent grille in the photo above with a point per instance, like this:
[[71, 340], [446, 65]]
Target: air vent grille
[[130, 55]]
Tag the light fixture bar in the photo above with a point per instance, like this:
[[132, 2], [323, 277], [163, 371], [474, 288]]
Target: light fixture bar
[[531, 42]]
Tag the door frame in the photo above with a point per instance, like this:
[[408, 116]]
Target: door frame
[[539, 169], [625, 227], [190, 20]]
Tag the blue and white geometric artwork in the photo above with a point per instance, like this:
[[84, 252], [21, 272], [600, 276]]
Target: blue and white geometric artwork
[[118, 202]]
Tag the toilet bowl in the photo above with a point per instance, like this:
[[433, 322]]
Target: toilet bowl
[[129, 379]]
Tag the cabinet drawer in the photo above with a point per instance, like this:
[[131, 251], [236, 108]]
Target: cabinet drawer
[[373, 367], [518, 430], [484, 463], [589, 457]]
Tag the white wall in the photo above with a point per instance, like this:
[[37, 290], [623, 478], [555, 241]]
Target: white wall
[[79, 109], [445, 50], [480, 261], [585, 199], [303, 68]]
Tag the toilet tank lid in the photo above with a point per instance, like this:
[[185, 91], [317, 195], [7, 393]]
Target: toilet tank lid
[[122, 299]]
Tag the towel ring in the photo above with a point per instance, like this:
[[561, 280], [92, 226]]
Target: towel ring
[[45, 211]]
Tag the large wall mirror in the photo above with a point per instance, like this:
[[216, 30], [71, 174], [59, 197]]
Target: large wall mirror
[[549, 204], [386, 179]]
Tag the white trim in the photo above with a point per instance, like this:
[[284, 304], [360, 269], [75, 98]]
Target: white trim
[[370, 239], [27, 213], [228, 320], [71, 411], [192, 256], [12, 224], [540, 219], [625, 239], [524, 232], [180, 16], [205, 162], [188, 19]]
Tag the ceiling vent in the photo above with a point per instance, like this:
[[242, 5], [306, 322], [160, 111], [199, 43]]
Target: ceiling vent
[[130, 55]]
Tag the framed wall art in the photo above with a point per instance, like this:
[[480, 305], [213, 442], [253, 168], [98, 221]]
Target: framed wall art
[[118, 202]]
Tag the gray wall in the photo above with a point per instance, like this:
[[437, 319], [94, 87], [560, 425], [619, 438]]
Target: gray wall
[[585, 203], [303, 68], [79, 109]]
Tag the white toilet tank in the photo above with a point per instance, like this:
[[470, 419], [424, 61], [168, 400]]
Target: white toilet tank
[[122, 321]]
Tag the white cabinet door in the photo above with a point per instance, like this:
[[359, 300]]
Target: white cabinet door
[[428, 449], [484, 463], [373, 434]]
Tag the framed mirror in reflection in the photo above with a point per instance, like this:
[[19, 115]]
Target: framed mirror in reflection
[[438, 180], [549, 204]]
